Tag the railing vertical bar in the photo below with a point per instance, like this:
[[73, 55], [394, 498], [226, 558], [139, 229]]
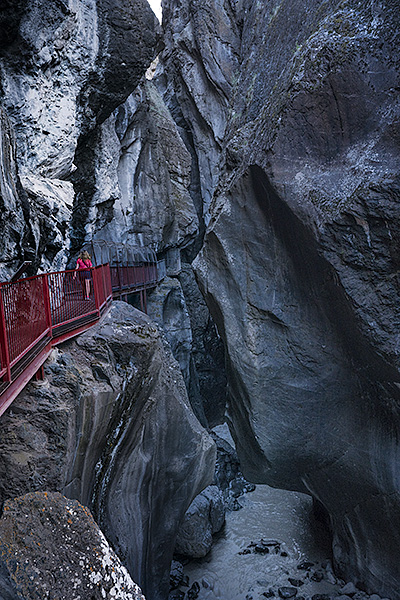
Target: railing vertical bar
[[47, 305], [3, 340], [95, 289]]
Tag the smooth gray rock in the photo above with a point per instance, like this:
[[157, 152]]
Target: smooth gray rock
[[133, 177], [112, 427], [208, 385], [204, 517], [178, 307], [51, 545], [299, 266], [166, 306]]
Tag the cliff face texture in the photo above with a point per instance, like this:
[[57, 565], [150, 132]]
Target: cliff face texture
[[65, 67], [297, 103], [112, 428]]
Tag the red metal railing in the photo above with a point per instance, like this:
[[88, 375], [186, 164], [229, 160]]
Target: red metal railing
[[128, 279], [39, 312]]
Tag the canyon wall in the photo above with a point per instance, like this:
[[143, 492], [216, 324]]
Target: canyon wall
[[111, 426], [295, 106], [65, 67], [270, 131], [88, 152]]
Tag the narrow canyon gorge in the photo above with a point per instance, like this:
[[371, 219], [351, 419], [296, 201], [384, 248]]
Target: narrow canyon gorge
[[252, 147]]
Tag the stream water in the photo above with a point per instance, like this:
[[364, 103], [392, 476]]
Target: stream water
[[268, 514]]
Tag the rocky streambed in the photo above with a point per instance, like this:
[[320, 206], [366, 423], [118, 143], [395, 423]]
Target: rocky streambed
[[273, 547]]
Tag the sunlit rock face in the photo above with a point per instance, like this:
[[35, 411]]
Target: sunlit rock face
[[300, 260], [11, 198], [65, 66], [112, 427]]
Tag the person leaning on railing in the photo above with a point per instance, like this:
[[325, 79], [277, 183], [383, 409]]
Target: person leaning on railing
[[82, 265]]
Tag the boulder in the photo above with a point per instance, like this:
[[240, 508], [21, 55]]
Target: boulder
[[51, 546], [204, 517]]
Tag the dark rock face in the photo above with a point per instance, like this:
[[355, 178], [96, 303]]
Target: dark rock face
[[112, 427], [200, 62], [179, 308], [207, 384], [51, 546], [300, 261], [129, 34]]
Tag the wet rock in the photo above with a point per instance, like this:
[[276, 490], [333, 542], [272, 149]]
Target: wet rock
[[204, 517], [228, 476], [166, 306], [208, 381], [176, 574], [206, 584], [51, 545], [296, 582], [305, 566], [269, 594], [287, 592], [194, 591], [261, 549], [317, 576], [176, 595], [321, 597], [349, 589]]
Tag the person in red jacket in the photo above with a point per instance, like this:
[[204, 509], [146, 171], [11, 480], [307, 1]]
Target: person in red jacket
[[82, 265]]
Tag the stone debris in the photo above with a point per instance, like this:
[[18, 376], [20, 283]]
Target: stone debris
[[264, 547]]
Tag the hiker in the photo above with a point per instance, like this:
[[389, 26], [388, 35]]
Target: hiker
[[82, 265]]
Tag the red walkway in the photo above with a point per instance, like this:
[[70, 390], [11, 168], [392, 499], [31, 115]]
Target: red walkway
[[40, 312]]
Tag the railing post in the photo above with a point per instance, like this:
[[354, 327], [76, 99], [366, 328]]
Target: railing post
[[4, 341], [119, 278], [95, 289], [47, 305]]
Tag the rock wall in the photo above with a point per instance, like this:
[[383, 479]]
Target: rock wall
[[112, 427], [64, 67], [178, 307], [300, 264], [133, 178]]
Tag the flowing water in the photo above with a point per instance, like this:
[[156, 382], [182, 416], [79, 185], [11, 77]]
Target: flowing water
[[267, 514]]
